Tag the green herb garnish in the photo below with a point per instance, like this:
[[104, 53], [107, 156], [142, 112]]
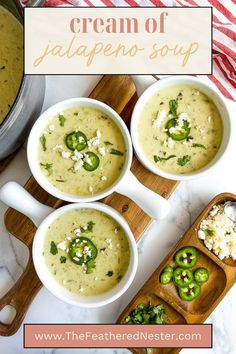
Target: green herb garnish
[[109, 273], [147, 314], [60, 180], [90, 265], [53, 248], [183, 160], [42, 140], [88, 228], [208, 232], [198, 146], [159, 158], [116, 152], [63, 259], [173, 105], [107, 143], [47, 166], [62, 120]]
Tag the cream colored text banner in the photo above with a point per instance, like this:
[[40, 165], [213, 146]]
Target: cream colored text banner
[[118, 40]]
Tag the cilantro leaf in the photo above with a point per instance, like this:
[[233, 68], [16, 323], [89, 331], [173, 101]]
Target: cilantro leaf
[[147, 314], [183, 160], [109, 273], [173, 105], [198, 146], [88, 228], [116, 152], [159, 158], [90, 265], [53, 248], [63, 259], [42, 140], [62, 120]]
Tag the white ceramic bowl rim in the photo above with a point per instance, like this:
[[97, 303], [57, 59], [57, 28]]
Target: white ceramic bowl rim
[[41, 123], [211, 92], [51, 283]]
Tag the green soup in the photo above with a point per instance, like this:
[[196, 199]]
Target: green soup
[[11, 60], [81, 151], [92, 267], [180, 129]]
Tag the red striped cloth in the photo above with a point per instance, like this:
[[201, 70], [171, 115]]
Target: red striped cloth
[[224, 33]]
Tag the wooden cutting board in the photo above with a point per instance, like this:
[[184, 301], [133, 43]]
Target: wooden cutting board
[[117, 91]]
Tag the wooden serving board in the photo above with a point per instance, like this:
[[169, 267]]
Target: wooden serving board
[[222, 278], [118, 92]]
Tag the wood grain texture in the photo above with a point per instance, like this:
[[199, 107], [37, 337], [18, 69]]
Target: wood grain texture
[[222, 278], [118, 92]]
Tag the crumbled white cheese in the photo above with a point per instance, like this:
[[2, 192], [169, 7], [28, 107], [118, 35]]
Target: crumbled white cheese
[[87, 159], [58, 147], [161, 115], [90, 189], [109, 243], [62, 245], [218, 233], [51, 128], [65, 154], [169, 143], [116, 230], [209, 119], [76, 156], [77, 232], [102, 151], [103, 178], [94, 141], [81, 289], [77, 165]]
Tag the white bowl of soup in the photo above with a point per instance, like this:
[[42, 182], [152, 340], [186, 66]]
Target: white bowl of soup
[[80, 150], [84, 253], [180, 127]]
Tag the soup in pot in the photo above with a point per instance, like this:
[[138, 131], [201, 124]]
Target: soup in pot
[[11, 60]]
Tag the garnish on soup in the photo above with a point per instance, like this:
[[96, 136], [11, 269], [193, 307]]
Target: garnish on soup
[[86, 148], [86, 251], [180, 129]]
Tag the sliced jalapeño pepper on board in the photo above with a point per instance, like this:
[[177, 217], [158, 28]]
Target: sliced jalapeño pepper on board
[[93, 163], [166, 275], [76, 141], [201, 275], [180, 134], [189, 292], [168, 268], [186, 257], [82, 250], [183, 277]]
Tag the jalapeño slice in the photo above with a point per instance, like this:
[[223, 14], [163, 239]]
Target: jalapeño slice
[[76, 141], [183, 277], [180, 134], [189, 292], [186, 257], [201, 275], [166, 277], [91, 161], [82, 250]]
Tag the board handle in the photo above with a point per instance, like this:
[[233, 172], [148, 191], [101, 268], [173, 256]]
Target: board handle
[[152, 203], [20, 297]]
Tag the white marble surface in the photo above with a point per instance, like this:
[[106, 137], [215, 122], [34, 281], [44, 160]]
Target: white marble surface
[[187, 201]]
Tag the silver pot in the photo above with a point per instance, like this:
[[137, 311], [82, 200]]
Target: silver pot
[[27, 106]]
